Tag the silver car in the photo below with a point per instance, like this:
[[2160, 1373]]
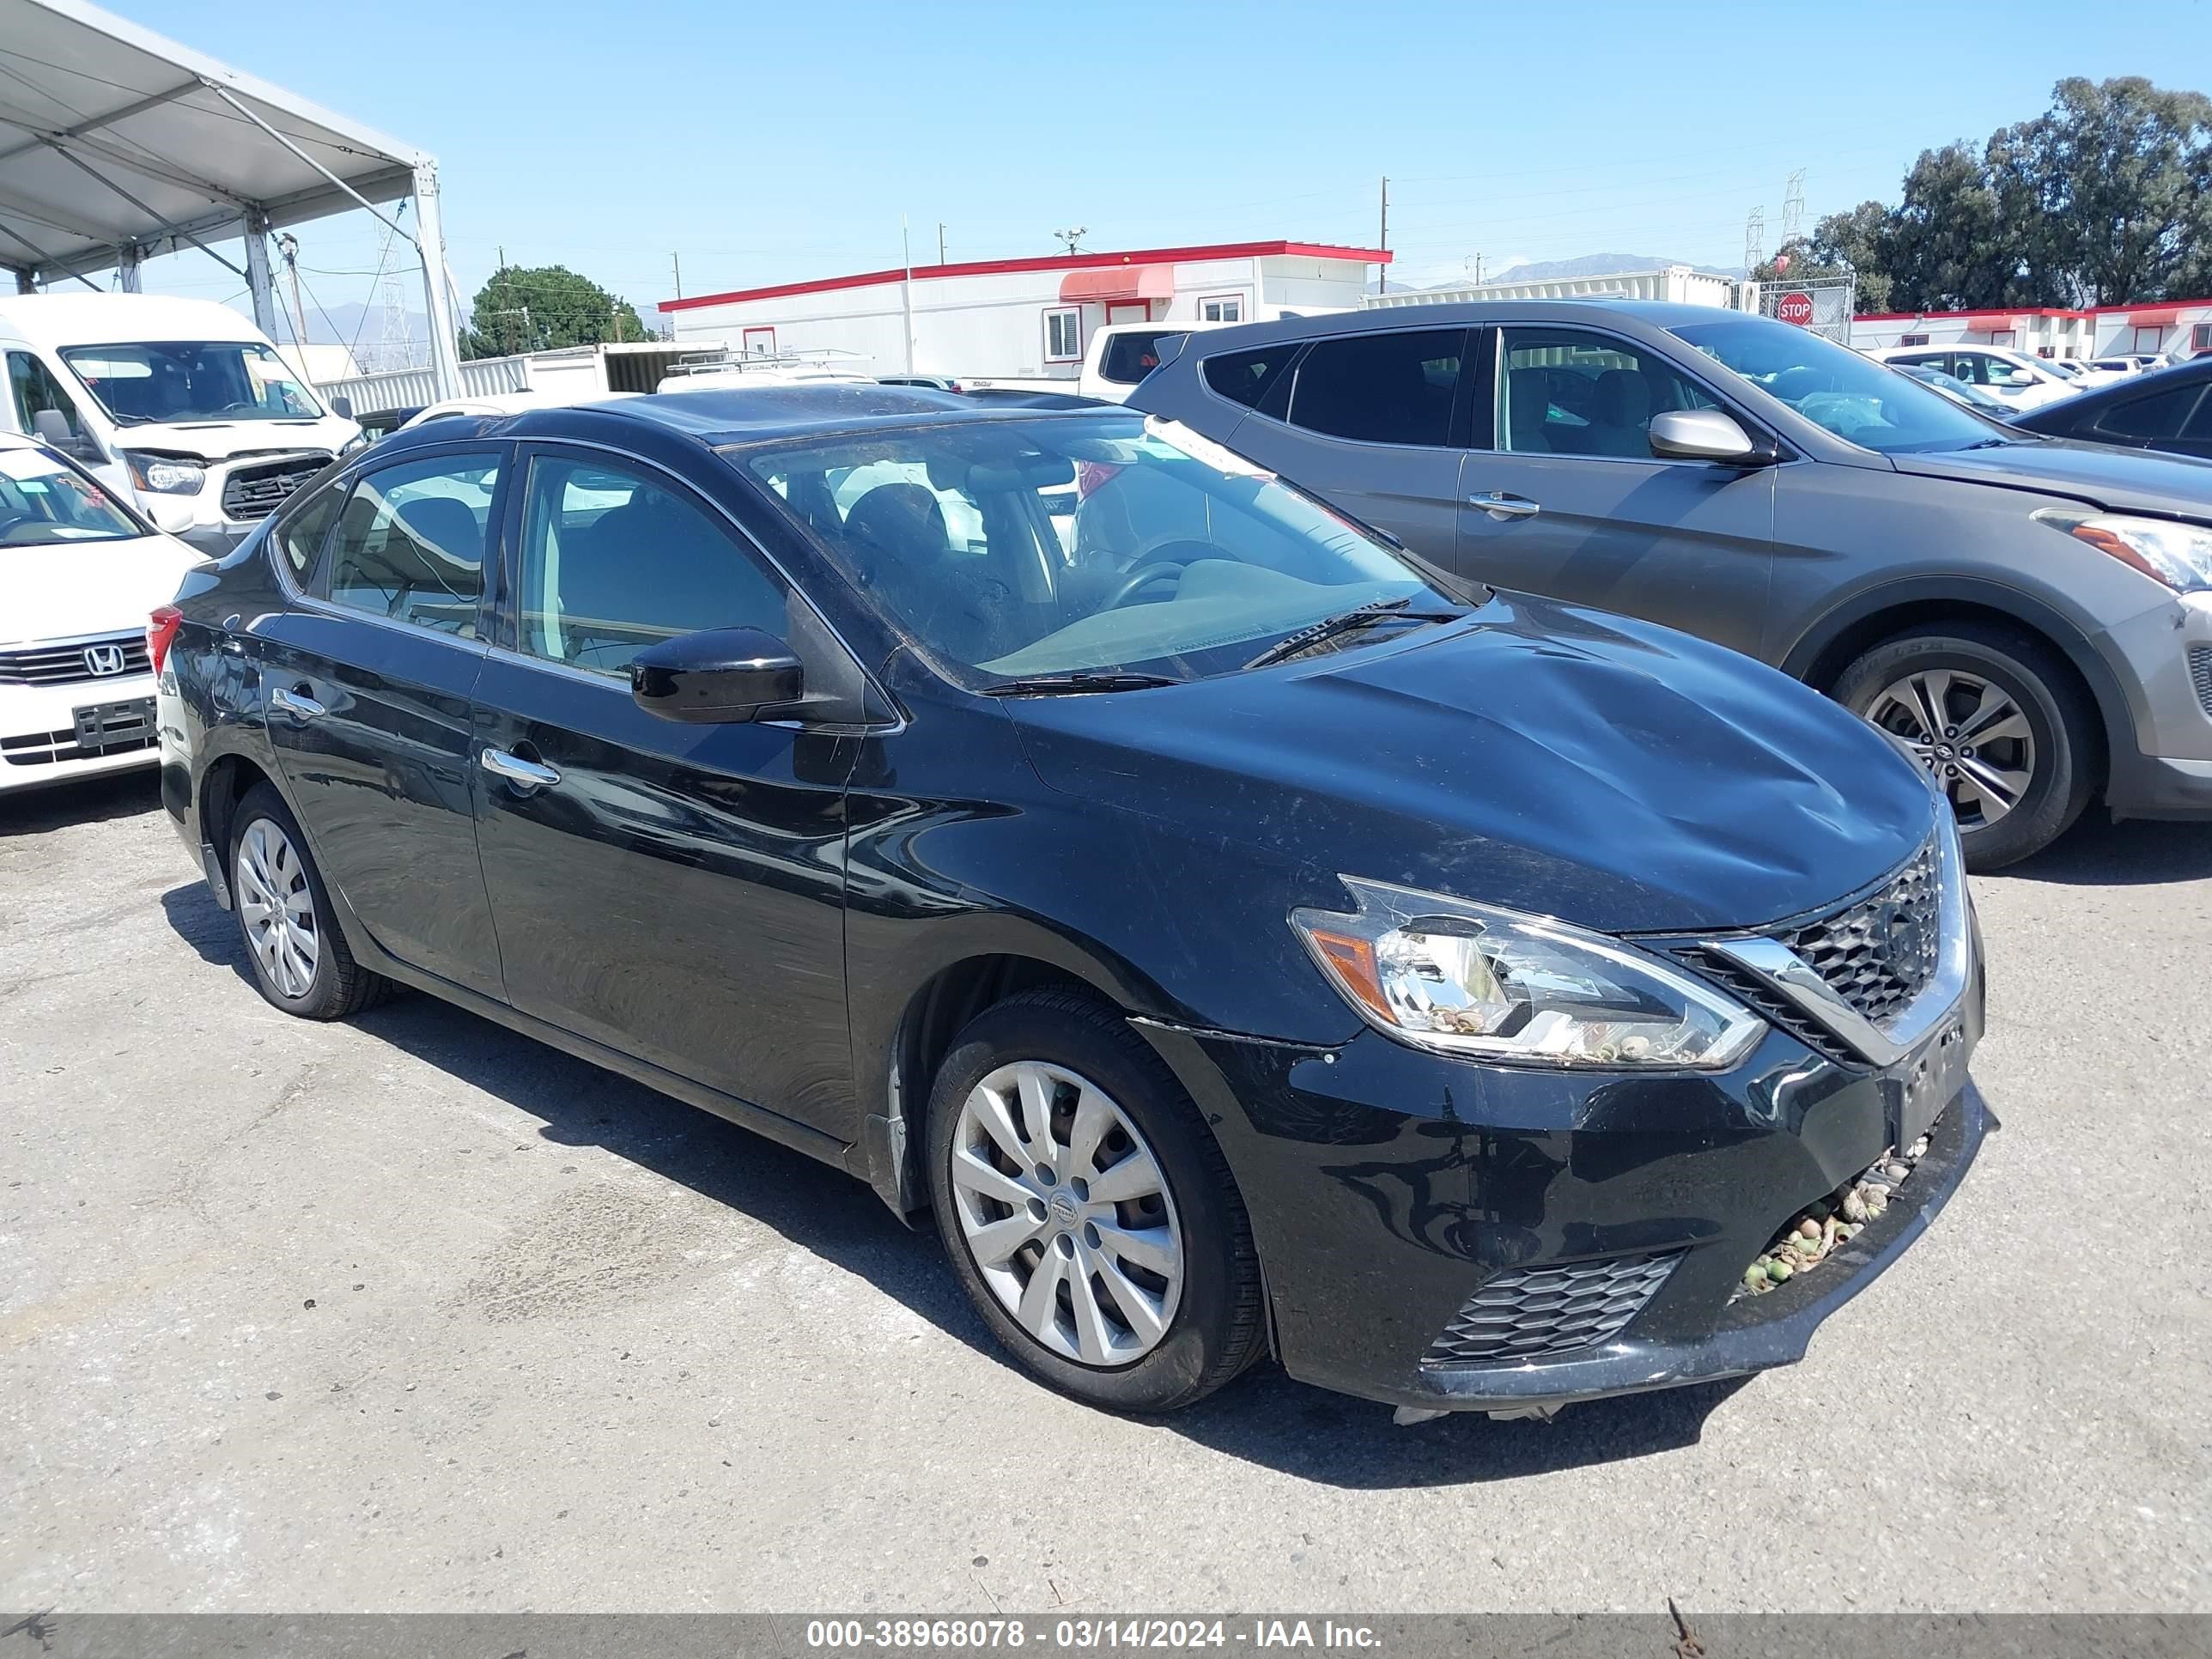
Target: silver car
[[2033, 618]]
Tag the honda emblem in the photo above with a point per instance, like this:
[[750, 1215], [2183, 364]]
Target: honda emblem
[[103, 659]]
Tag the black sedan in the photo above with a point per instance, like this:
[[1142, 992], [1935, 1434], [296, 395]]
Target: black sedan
[[1269, 945], [2169, 411]]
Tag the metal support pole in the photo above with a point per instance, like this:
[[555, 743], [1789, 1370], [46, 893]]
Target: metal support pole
[[258, 282], [126, 271], [93, 173], [430, 239]]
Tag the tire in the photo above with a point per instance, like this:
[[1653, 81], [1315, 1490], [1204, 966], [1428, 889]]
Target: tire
[[1155, 1343], [305, 970], [2005, 685]]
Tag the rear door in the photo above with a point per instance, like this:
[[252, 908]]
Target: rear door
[[367, 686], [1569, 500], [1374, 422], [672, 891]]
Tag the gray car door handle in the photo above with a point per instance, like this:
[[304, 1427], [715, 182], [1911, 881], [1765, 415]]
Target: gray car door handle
[[297, 704], [516, 769], [1499, 505]]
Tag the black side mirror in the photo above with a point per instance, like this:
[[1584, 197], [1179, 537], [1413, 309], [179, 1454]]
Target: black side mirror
[[716, 677], [51, 427], [342, 407]]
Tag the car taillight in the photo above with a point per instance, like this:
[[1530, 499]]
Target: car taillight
[[160, 633]]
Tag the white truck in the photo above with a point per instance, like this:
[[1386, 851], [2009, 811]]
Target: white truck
[[182, 406], [1119, 355]]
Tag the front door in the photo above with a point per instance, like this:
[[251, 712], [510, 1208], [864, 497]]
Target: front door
[[367, 689], [1571, 503], [675, 892], [1375, 424]]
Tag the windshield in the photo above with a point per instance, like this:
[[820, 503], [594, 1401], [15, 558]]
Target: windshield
[[44, 501], [1082, 545], [1859, 400], [179, 380]]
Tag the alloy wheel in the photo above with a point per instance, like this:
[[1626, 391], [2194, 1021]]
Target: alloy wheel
[[1066, 1214], [1969, 732], [277, 906]]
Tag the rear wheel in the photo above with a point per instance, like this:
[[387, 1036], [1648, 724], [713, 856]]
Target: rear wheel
[[1997, 720], [1089, 1215], [299, 959]]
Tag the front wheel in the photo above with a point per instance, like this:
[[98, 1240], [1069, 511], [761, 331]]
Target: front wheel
[[1997, 720], [1089, 1215]]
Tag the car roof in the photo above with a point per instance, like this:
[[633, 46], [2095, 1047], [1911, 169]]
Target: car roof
[[723, 417], [2069, 412], [1467, 313], [59, 320]]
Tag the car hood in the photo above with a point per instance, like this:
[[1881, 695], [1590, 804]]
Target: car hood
[[1604, 771], [73, 589], [2118, 480], [219, 441]]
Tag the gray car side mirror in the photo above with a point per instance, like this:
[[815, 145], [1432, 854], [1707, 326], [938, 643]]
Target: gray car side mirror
[[1704, 435]]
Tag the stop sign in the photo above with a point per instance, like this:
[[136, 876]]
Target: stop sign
[[1795, 307]]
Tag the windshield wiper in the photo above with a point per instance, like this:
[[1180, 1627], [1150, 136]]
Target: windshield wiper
[[1345, 621], [1058, 685]]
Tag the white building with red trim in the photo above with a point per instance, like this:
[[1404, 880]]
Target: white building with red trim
[[2180, 328], [1026, 318]]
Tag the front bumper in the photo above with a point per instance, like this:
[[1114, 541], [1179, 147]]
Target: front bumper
[[1387, 1187], [2166, 772], [43, 741]]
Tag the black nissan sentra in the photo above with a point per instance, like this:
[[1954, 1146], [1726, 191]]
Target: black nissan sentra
[[1240, 937]]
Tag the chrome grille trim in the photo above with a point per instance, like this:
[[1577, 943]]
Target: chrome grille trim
[[62, 662], [2200, 674]]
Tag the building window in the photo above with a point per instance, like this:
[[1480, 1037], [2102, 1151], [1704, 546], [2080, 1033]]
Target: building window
[[2000, 337], [1063, 336], [1912, 339], [2149, 341], [1221, 308], [759, 343], [2200, 338]]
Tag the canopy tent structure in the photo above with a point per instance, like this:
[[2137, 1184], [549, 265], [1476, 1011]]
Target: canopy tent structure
[[116, 144]]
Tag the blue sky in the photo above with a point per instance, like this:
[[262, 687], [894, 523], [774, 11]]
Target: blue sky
[[770, 142]]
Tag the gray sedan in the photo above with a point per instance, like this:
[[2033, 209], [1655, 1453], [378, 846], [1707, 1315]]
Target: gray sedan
[[2033, 619]]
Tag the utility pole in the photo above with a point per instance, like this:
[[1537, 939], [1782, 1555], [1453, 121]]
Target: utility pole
[[940, 241], [289, 246], [1382, 269], [614, 310], [675, 264], [906, 289]]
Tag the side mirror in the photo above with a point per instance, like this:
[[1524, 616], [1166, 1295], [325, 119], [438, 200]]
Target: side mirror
[[716, 677], [51, 427], [1706, 434], [342, 407]]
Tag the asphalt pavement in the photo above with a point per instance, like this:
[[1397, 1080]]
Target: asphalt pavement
[[413, 1313]]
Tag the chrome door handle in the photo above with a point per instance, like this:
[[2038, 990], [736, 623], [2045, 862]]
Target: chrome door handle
[[516, 769], [1501, 506], [297, 704]]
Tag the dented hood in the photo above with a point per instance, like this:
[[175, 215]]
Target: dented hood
[[1605, 771]]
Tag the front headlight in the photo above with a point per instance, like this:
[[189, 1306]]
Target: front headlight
[[2178, 554], [1492, 984], [165, 476]]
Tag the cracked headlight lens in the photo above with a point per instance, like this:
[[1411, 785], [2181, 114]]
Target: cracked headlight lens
[[1487, 983]]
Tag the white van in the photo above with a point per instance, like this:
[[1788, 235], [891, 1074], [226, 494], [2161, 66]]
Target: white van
[[182, 404], [81, 573]]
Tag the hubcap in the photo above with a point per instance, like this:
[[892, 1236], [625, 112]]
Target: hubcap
[[1066, 1214], [1970, 734], [278, 908]]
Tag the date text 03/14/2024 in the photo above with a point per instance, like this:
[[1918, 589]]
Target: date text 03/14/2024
[[1085, 1634]]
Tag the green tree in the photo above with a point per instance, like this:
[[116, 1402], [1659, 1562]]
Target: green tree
[[1842, 244], [543, 308]]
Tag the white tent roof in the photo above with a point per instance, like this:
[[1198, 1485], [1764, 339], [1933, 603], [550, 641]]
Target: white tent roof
[[143, 113]]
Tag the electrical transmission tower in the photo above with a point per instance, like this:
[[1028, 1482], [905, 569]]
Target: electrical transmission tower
[[1792, 209], [1754, 240], [395, 347]]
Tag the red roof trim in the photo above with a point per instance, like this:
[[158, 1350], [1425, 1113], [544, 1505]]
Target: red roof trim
[[2030, 311], [1372, 256]]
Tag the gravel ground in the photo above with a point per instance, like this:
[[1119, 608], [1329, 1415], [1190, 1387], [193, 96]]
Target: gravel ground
[[413, 1313]]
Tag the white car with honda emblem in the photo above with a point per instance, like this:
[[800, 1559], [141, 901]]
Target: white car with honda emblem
[[79, 572]]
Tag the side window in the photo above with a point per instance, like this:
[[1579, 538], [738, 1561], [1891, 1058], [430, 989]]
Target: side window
[[1564, 393], [2199, 427], [1129, 357], [411, 542], [2158, 416], [613, 561], [1381, 388], [1247, 377], [31, 388], [300, 536]]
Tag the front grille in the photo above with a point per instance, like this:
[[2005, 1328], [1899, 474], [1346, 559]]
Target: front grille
[[2200, 674], [1880, 952], [1771, 1005], [255, 492], [66, 664], [1544, 1312]]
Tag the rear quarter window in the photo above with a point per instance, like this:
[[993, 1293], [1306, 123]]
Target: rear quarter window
[[1247, 377]]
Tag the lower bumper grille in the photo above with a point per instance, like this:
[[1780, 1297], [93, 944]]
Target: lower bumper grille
[[1544, 1312], [2200, 674], [109, 728]]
